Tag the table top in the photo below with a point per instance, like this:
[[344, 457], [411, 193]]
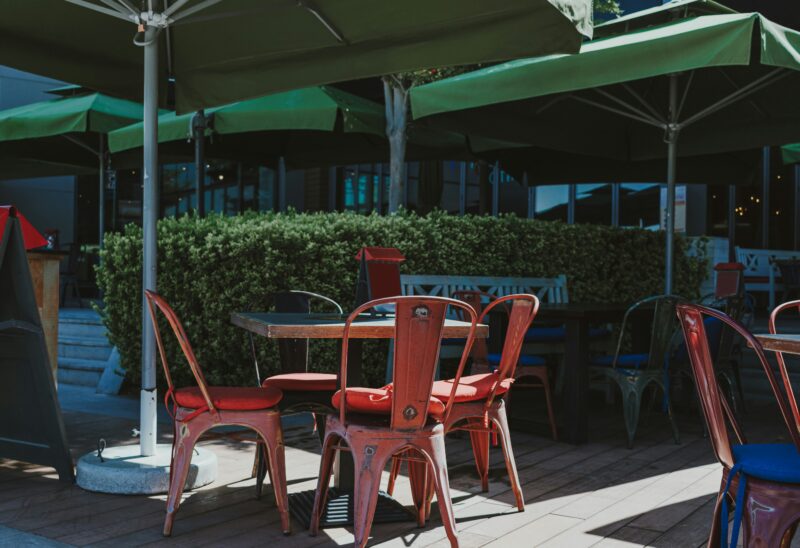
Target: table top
[[780, 343], [276, 325]]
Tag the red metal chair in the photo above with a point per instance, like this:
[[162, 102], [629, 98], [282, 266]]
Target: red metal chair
[[479, 405], [197, 409], [376, 424], [765, 477], [303, 390], [529, 366], [787, 383]]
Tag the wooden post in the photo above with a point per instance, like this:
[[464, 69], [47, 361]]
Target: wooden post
[[44, 266]]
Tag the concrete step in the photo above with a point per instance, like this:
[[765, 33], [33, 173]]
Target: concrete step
[[89, 348], [79, 371], [80, 323]]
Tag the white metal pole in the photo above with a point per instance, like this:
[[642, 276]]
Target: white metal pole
[[101, 191], [672, 151], [148, 408]]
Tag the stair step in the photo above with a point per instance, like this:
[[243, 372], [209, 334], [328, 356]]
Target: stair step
[[69, 329], [78, 315], [81, 364], [91, 348]]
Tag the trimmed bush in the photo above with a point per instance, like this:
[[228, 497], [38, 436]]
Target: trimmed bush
[[211, 267]]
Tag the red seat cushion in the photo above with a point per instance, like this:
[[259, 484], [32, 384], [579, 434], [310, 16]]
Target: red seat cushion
[[230, 398], [471, 388], [299, 382], [378, 401]]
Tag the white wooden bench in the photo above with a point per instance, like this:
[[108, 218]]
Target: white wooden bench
[[549, 290], [760, 271]]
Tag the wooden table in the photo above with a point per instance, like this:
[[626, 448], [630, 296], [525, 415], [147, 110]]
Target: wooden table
[[577, 317], [787, 343], [277, 325]]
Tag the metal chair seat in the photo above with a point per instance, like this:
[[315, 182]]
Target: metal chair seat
[[378, 401], [472, 388], [229, 398]]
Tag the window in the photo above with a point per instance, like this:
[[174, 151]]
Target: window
[[552, 202], [593, 203], [640, 205]]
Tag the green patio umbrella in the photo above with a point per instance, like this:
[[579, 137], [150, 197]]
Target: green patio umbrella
[[315, 126], [721, 83], [219, 51], [791, 153], [62, 136]]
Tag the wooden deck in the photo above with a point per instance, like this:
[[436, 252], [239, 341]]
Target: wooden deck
[[598, 494]]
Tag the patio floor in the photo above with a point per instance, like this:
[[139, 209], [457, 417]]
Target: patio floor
[[598, 494]]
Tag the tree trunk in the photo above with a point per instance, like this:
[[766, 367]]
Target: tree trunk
[[396, 102]]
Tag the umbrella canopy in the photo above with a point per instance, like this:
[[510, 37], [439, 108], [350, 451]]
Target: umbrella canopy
[[63, 136], [224, 51], [311, 126], [791, 153], [703, 85]]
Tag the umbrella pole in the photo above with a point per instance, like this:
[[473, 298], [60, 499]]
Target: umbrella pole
[[147, 426], [672, 151], [199, 134], [732, 223], [101, 195]]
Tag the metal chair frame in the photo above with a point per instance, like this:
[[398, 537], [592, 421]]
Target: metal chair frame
[[771, 509], [372, 440], [787, 382], [317, 403], [633, 382], [191, 424]]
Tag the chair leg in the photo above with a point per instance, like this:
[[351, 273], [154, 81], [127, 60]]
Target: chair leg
[[325, 470], [261, 467], [420, 478], [276, 466], [369, 461], [551, 416], [181, 462], [716, 531], [631, 406], [480, 450], [671, 415], [438, 458], [393, 473], [508, 452]]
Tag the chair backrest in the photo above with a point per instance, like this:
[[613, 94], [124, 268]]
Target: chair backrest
[[717, 412], [155, 301], [418, 325], [729, 280], [294, 352], [787, 383], [523, 310], [662, 330], [480, 349]]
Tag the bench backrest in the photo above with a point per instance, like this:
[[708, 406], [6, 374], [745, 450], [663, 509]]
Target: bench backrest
[[758, 263], [548, 290]]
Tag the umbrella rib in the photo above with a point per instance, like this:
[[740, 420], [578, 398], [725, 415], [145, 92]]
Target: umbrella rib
[[114, 6], [311, 8], [174, 7], [768, 79], [642, 100], [129, 6], [194, 9], [735, 86], [649, 121], [100, 9], [685, 94], [653, 119], [81, 144]]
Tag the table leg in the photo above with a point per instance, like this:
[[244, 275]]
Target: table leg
[[344, 470], [576, 381]]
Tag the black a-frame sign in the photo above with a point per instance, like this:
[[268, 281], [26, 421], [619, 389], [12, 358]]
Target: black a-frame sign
[[31, 427]]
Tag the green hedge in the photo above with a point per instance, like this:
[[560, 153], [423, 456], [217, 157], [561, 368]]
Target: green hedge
[[208, 268]]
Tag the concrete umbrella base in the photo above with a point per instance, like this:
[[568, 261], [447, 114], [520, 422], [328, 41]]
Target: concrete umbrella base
[[123, 471]]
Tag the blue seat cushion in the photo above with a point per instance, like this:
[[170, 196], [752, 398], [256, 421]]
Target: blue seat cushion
[[629, 361], [524, 359], [556, 334], [769, 461]]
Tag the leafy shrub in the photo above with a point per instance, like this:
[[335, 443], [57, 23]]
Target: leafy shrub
[[211, 267]]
